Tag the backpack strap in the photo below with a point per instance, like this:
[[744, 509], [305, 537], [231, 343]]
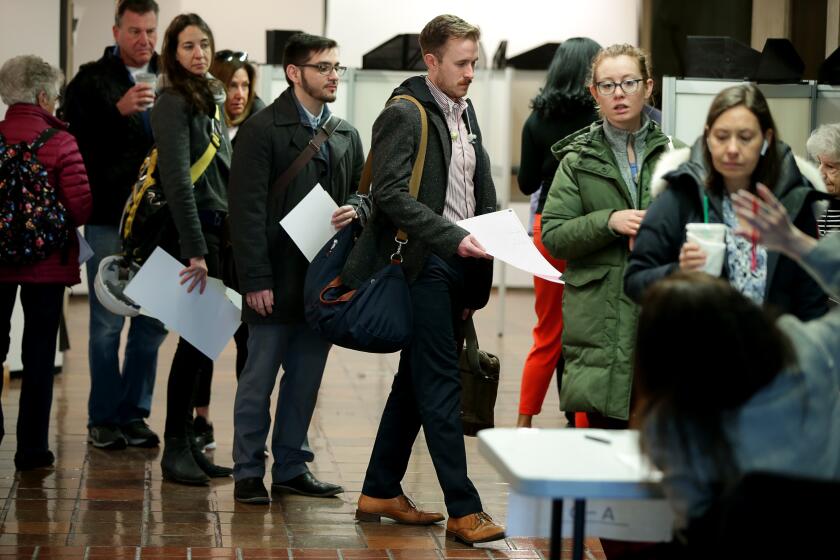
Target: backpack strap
[[324, 132], [416, 170], [200, 166], [42, 139]]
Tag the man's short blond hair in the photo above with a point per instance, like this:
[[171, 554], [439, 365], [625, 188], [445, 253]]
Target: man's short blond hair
[[444, 27]]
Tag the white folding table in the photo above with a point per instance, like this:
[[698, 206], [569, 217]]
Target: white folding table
[[579, 464]]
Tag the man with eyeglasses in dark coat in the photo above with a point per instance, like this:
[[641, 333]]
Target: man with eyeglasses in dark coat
[[271, 268]]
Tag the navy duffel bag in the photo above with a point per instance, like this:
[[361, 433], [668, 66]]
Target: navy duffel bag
[[376, 317]]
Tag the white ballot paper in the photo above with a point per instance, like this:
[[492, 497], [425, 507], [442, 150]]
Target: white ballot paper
[[85, 251], [503, 236], [308, 224], [207, 321]]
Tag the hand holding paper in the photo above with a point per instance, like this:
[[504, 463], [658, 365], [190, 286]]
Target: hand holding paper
[[309, 224], [503, 236], [206, 320]]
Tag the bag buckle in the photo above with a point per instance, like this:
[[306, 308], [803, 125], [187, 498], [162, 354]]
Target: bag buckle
[[397, 257]]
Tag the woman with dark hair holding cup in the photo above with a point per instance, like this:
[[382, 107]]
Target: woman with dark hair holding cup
[[693, 187], [186, 124]]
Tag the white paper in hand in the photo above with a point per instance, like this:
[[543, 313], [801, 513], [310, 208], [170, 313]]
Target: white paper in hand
[[503, 236], [207, 321], [85, 251], [308, 224]]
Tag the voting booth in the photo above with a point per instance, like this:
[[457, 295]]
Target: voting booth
[[797, 108]]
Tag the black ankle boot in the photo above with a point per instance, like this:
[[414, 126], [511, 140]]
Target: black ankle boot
[[210, 469], [28, 460], [178, 464]]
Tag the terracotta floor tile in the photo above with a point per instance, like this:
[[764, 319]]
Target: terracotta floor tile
[[99, 504], [364, 553], [265, 553], [399, 542]]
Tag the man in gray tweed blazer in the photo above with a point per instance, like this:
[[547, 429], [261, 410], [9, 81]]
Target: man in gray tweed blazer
[[448, 271]]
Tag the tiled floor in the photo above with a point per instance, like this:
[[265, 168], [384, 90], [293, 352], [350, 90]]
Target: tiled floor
[[98, 504]]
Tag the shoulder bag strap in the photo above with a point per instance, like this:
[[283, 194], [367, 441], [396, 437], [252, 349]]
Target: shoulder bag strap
[[303, 158], [199, 167], [416, 170], [42, 139], [471, 338]]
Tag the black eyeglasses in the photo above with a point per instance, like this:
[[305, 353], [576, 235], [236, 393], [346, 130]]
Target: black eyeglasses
[[627, 86], [325, 68], [228, 55]]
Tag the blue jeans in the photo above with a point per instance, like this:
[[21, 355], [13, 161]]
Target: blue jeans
[[303, 355], [118, 396]]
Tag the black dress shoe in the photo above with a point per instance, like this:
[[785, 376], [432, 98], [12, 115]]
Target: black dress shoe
[[251, 491], [307, 485]]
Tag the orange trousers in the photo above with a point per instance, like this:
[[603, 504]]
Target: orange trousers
[[546, 351]]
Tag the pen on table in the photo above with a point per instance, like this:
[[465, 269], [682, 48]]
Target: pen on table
[[596, 438]]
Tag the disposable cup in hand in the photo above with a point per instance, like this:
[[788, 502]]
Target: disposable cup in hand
[[149, 79], [715, 253], [707, 232]]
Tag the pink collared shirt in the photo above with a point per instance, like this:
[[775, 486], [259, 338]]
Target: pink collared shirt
[[460, 189]]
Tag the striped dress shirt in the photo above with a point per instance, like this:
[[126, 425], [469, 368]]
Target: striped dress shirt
[[460, 189]]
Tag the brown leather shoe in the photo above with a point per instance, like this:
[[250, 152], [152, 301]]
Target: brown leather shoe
[[474, 528], [400, 509]]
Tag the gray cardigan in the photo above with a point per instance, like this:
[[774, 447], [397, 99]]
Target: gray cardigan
[[792, 425], [396, 138], [182, 136]]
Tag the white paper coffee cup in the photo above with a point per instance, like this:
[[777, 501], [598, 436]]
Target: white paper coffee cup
[[715, 252], [707, 232], [146, 78]]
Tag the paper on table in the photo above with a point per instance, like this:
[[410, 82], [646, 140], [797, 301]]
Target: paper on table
[[503, 236], [308, 223], [207, 321]]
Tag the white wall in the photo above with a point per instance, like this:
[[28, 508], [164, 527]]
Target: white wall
[[361, 25], [237, 26], [29, 27]]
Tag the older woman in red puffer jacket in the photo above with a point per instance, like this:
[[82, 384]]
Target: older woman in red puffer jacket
[[30, 86]]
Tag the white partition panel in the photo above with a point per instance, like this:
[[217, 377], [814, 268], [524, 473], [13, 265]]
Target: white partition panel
[[828, 104], [685, 103]]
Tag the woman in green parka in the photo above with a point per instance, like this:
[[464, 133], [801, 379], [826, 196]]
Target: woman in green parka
[[593, 211]]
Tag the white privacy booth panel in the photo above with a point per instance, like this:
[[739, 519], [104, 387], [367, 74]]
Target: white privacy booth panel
[[685, 103], [828, 104]]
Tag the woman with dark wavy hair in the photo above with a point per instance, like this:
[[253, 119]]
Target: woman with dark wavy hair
[[187, 126], [239, 78], [560, 108]]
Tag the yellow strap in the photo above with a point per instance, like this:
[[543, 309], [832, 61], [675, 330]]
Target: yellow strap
[[150, 163], [199, 167], [416, 170]]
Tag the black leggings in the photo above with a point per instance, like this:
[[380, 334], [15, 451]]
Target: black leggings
[[189, 364], [240, 337], [42, 305]]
